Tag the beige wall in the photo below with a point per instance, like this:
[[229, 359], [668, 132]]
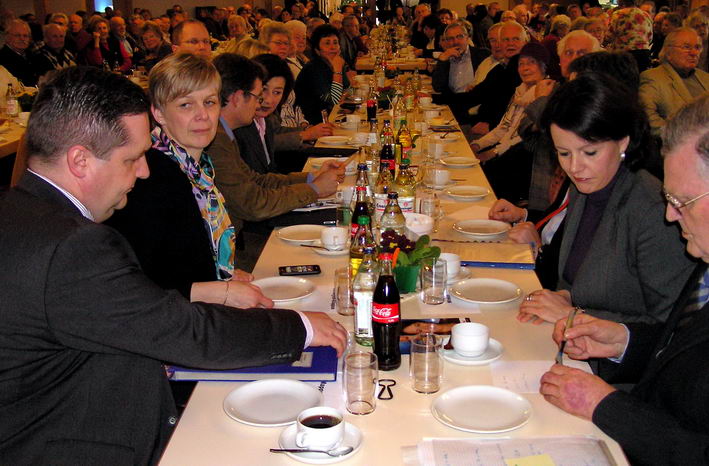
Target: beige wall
[[20, 7], [157, 7], [459, 5]]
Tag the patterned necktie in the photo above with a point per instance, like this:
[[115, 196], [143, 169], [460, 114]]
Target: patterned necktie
[[697, 299]]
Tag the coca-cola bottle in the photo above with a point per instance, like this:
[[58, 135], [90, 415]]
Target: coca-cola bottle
[[372, 104], [386, 319], [361, 207]]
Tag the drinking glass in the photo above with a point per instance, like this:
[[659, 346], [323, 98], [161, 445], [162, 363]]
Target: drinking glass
[[426, 363], [430, 205], [361, 377], [343, 292], [433, 280]]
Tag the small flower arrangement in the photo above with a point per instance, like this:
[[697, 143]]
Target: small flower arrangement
[[409, 253]]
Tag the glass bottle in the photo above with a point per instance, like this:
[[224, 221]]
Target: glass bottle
[[362, 239], [363, 290], [405, 187], [392, 217]]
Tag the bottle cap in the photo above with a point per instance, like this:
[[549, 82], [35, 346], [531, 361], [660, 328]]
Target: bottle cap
[[393, 195], [362, 220], [369, 249], [361, 166], [386, 256]]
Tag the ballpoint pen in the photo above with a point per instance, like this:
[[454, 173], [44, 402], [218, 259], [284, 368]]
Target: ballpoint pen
[[569, 324]]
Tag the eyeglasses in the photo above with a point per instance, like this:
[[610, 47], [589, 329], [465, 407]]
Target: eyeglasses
[[457, 37], [677, 204], [259, 98], [280, 43], [199, 41], [688, 48]]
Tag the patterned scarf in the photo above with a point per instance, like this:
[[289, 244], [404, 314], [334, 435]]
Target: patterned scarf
[[209, 199]]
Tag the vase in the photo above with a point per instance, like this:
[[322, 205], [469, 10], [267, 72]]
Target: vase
[[406, 277]]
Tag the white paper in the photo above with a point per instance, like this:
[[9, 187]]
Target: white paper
[[523, 376], [564, 451]]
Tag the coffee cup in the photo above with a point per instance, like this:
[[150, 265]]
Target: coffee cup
[[441, 177], [452, 263], [320, 428], [425, 100], [431, 114], [334, 238], [470, 339]]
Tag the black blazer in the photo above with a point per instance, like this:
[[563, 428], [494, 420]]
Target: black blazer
[[165, 228], [83, 333], [665, 418], [251, 147], [312, 88], [23, 68]]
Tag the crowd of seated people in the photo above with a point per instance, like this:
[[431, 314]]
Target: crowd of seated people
[[566, 107]]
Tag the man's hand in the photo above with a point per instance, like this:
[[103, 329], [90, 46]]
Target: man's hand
[[314, 132], [326, 182], [327, 332], [504, 211], [453, 52], [573, 390], [481, 128], [591, 337], [244, 295], [241, 276], [549, 306]]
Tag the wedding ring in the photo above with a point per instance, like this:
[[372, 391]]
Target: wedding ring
[[529, 297]]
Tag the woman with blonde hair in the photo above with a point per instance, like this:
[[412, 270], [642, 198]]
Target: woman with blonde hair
[[176, 219], [249, 48]]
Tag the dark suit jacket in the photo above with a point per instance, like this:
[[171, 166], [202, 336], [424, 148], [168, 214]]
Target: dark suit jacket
[[83, 333], [636, 265], [312, 88], [664, 419], [23, 68], [493, 94], [164, 226], [441, 72], [252, 150]]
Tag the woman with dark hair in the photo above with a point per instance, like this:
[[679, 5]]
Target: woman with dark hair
[[155, 47], [433, 30], [323, 80], [617, 257], [105, 50]]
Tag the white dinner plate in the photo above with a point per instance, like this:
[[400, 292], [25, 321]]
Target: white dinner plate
[[300, 234], [352, 438], [317, 163], [486, 291], [460, 162], [492, 353], [481, 229], [285, 289], [440, 186], [334, 140], [467, 192], [462, 275], [449, 137], [271, 402], [482, 409]]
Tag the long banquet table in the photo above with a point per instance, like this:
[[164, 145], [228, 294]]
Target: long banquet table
[[205, 435]]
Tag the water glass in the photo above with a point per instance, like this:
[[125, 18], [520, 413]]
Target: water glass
[[343, 292], [430, 205], [361, 377], [426, 363], [433, 280]]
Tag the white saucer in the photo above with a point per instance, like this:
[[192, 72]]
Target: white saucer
[[353, 438], [440, 186], [492, 353], [460, 162], [271, 402], [486, 291], [467, 192], [462, 275], [327, 252]]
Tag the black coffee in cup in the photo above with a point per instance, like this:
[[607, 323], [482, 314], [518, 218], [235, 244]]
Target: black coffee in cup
[[321, 421]]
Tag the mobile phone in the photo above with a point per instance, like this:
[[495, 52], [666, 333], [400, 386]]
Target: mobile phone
[[289, 270]]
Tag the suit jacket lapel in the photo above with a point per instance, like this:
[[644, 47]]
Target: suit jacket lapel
[[577, 202], [687, 337], [677, 83]]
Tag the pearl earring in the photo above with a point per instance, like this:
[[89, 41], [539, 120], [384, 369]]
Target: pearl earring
[[622, 156]]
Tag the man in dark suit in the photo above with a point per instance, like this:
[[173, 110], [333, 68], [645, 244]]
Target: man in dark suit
[[663, 419], [15, 55], [83, 332], [456, 67]]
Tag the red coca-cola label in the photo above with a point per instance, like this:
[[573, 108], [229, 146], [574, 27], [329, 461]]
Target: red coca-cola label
[[392, 164], [385, 313], [353, 230]]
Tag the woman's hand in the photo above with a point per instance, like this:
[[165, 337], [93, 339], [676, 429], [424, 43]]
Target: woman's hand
[[337, 63], [545, 305], [525, 233], [314, 132], [97, 38], [505, 211]]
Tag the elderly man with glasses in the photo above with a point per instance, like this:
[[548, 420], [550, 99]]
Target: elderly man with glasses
[[14, 55], [663, 90], [663, 419]]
